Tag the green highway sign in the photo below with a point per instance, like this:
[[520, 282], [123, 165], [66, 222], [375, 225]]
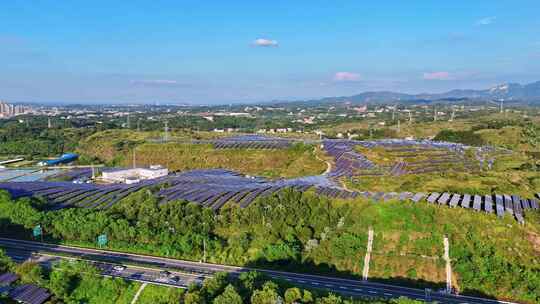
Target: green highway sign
[[102, 240], [37, 231]]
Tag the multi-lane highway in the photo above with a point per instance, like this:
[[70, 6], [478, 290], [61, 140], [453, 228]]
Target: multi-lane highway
[[147, 269]]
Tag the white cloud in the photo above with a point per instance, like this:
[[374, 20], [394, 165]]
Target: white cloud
[[265, 42], [437, 76], [346, 76], [486, 20]]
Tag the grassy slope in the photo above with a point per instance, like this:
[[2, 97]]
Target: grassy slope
[[409, 243], [154, 294], [105, 292], [272, 163], [114, 148]]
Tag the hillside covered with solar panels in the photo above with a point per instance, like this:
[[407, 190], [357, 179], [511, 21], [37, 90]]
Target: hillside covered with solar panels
[[299, 203]]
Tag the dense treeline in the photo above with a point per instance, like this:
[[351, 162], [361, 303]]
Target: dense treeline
[[467, 137], [303, 232], [34, 139]]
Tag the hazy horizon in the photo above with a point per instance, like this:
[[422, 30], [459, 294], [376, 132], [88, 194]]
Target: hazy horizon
[[188, 52]]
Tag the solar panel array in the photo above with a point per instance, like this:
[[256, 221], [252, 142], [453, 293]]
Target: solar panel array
[[214, 187], [29, 294], [8, 278], [248, 142], [211, 188], [480, 203], [442, 156]]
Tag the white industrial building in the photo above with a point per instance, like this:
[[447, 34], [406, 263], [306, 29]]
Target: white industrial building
[[134, 175]]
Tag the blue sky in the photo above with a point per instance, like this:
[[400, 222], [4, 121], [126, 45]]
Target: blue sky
[[249, 51]]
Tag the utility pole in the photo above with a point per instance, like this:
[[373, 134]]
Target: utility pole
[[365, 272], [134, 163], [448, 265], [204, 250]]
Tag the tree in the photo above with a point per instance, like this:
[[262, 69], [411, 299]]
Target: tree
[[215, 285], [268, 295], [292, 295], [30, 273], [229, 296], [5, 262], [307, 297], [330, 299], [59, 283], [193, 297]]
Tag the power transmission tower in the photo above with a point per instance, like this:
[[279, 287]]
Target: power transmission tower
[[398, 125], [49, 124], [410, 117], [394, 113], [453, 114], [434, 113], [166, 136], [502, 106]]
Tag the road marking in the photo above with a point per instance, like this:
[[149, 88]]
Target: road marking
[[136, 297]]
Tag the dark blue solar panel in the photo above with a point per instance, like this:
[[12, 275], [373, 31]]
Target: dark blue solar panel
[[454, 201], [466, 201], [499, 203], [432, 197], [477, 202], [488, 203], [443, 199], [417, 197], [30, 294], [8, 278]]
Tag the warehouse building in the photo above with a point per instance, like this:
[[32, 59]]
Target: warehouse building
[[134, 175]]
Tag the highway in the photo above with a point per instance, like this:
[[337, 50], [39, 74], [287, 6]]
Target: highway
[[132, 273], [147, 268]]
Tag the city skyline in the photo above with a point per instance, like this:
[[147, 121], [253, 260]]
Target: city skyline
[[214, 53]]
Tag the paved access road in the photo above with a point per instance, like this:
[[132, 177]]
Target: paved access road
[[132, 273], [150, 267]]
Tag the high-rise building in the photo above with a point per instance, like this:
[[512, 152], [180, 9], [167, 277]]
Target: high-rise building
[[10, 110]]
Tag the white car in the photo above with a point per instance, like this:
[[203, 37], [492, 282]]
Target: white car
[[119, 268]]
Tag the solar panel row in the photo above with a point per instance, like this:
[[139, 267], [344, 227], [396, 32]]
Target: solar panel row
[[29, 294]]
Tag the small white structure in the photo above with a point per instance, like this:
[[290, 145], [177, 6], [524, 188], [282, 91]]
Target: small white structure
[[134, 175]]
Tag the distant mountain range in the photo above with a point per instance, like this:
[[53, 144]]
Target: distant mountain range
[[509, 92]]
